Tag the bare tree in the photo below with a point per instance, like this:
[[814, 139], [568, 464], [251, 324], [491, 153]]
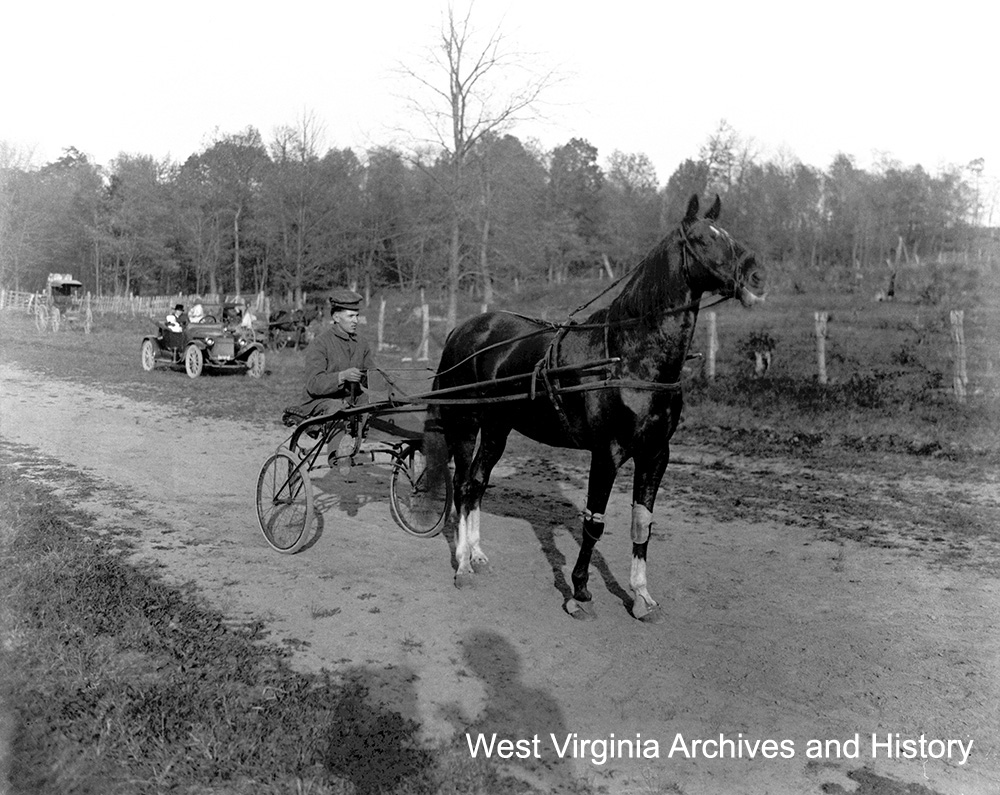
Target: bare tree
[[467, 96]]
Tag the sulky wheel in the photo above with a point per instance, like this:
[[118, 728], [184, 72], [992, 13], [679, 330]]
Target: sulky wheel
[[147, 355], [418, 506], [194, 361], [284, 502], [255, 364]]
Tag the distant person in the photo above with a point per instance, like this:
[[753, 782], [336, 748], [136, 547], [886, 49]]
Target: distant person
[[231, 315], [248, 318], [174, 319], [197, 313]]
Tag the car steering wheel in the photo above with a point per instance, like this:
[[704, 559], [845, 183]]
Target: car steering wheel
[[208, 319]]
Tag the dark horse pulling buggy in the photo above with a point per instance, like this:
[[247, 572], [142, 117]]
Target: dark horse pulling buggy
[[609, 384]]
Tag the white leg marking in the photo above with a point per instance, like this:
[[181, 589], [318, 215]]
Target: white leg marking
[[462, 544], [642, 520], [478, 556], [644, 602]]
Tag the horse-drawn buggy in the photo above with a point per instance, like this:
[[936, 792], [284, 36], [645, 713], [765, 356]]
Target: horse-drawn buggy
[[290, 327], [63, 301], [609, 384]]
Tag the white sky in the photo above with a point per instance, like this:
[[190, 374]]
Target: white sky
[[915, 80]]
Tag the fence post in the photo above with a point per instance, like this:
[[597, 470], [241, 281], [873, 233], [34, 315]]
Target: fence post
[[713, 347], [381, 323], [821, 319], [426, 338], [88, 315], [961, 377]]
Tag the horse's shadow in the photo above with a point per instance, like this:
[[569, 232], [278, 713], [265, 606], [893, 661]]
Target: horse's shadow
[[546, 515]]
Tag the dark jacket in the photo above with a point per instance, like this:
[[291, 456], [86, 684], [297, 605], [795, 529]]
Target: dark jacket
[[328, 354]]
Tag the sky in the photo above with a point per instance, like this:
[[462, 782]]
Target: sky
[[915, 82]]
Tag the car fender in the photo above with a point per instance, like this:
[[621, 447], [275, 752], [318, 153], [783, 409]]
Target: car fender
[[247, 349]]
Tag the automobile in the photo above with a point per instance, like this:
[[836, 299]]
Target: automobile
[[216, 342]]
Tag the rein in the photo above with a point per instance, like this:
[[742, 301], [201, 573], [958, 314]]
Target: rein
[[563, 327], [545, 364]]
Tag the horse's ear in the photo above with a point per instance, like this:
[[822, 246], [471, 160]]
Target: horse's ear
[[692, 210], [715, 209]]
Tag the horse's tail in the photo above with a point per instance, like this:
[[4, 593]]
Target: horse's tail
[[436, 451]]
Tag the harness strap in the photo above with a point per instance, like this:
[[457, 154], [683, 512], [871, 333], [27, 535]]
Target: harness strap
[[546, 327], [545, 365]]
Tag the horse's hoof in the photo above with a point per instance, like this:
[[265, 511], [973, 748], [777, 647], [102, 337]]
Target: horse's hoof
[[647, 611], [655, 616], [481, 566], [581, 611], [465, 580]]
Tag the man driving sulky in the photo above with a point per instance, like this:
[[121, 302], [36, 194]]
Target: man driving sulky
[[337, 362]]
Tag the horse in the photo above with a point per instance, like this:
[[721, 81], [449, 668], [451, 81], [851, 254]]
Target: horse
[[609, 384]]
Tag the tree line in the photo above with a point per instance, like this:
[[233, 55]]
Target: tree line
[[287, 217]]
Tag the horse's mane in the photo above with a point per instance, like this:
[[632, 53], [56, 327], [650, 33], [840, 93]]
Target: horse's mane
[[648, 288]]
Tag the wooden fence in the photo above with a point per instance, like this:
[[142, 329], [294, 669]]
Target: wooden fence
[[133, 305]]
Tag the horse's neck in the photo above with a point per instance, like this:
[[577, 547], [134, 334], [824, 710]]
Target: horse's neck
[[654, 345]]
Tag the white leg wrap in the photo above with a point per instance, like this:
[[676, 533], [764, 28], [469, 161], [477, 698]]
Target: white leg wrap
[[642, 520]]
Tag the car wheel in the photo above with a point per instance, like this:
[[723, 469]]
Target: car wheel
[[148, 355], [194, 361], [255, 364]]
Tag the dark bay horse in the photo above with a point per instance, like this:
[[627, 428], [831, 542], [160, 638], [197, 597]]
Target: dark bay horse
[[609, 384]]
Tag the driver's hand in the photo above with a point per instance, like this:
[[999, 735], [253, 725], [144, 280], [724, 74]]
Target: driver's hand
[[352, 374]]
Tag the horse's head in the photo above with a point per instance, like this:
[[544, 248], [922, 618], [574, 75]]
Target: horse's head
[[718, 262]]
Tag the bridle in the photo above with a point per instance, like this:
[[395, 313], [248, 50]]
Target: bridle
[[688, 255]]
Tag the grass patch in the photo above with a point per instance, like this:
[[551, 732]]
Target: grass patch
[[120, 683], [862, 415]]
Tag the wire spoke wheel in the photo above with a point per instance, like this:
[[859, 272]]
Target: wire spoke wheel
[[255, 364], [148, 355], [284, 502], [194, 361], [418, 505]]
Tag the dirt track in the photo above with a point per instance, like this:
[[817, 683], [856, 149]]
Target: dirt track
[[773, 633]]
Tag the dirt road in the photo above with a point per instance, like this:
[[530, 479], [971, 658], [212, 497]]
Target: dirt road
[[780, 627]]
